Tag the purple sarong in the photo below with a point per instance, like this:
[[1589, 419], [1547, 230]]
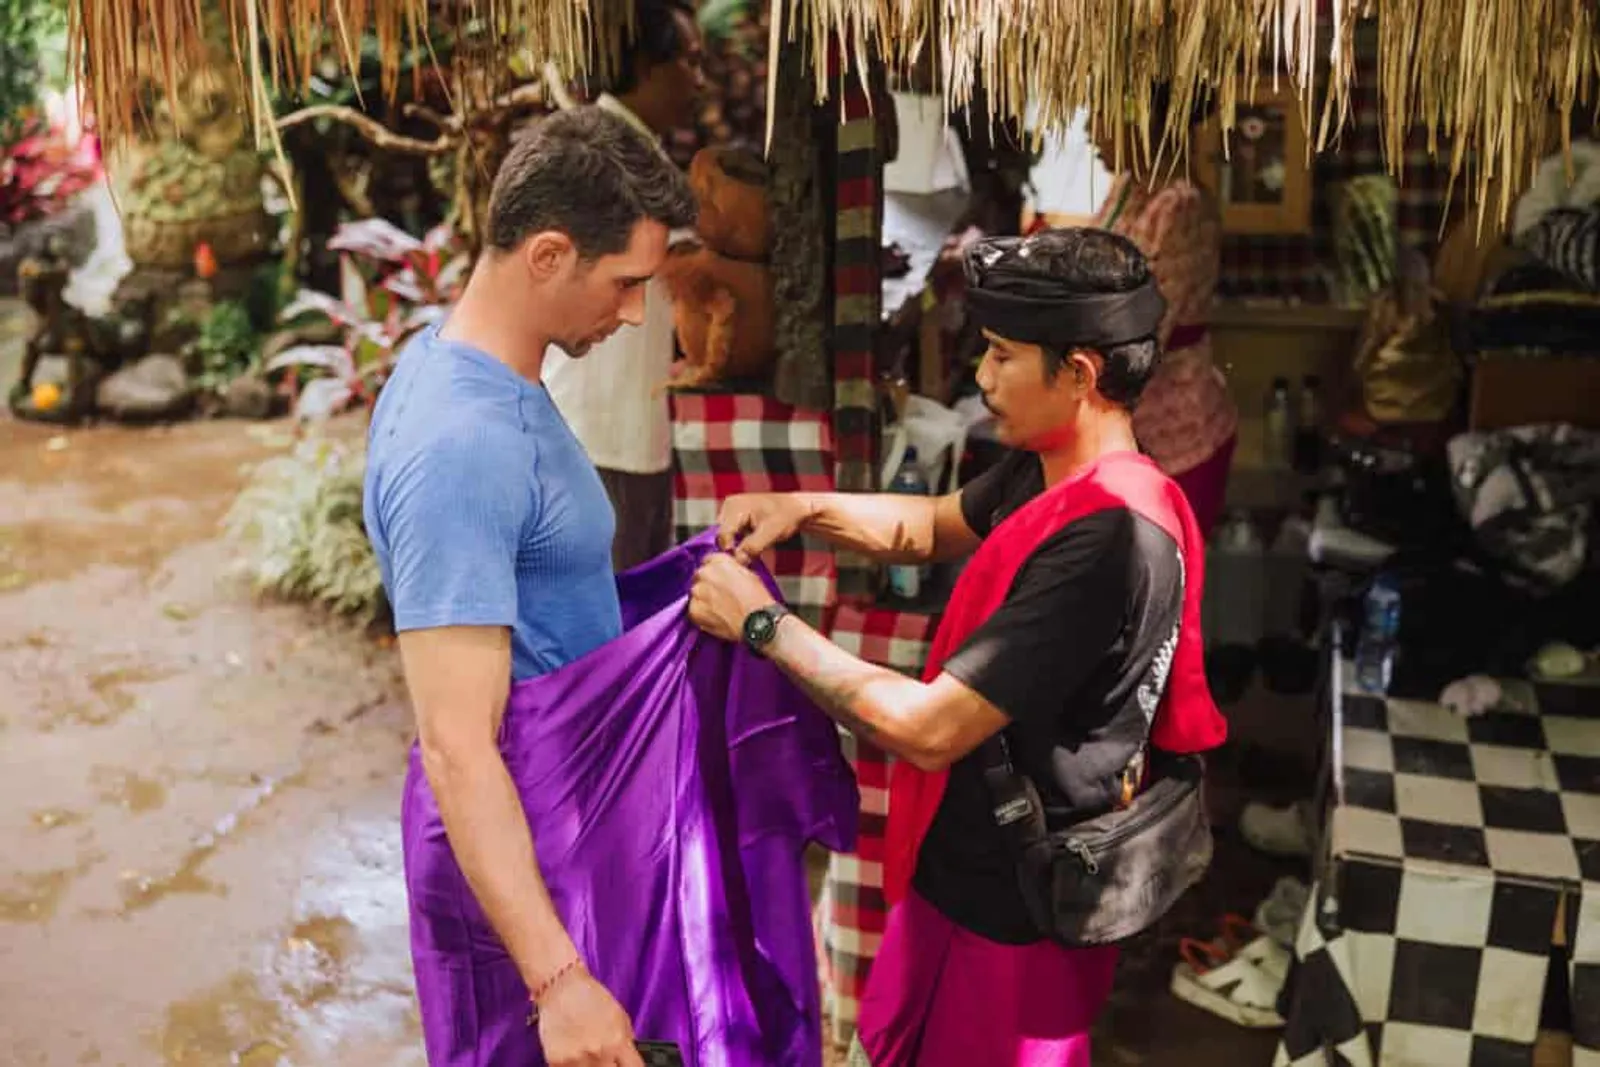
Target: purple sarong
[[671, 782]]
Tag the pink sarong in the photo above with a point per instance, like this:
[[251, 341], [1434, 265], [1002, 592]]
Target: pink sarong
[[941, 996]]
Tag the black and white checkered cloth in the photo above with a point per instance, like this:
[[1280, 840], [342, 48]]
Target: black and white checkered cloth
[[1429, 939]]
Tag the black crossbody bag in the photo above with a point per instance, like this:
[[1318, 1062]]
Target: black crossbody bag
[[1105, 879]]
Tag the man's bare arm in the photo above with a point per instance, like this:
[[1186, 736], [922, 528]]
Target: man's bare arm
[[459, 677], [930, 724], [893, 527]]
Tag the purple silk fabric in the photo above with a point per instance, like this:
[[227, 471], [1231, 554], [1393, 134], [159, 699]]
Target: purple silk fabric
[[671, 782]]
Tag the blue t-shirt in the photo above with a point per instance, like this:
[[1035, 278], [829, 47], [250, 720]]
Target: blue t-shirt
[[484, 510]]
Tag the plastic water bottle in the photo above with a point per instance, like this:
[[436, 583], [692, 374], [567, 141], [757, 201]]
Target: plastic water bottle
[[905, 579], [1277, 442], [1308, 427], [1379, 643], [1233, 611]]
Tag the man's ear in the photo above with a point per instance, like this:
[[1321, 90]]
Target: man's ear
[[1085, 367], [546, 252]]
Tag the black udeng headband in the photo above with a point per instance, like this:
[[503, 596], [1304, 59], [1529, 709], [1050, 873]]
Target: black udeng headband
[[1031, 308]]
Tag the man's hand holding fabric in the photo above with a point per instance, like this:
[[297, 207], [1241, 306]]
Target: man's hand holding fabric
[[930, 724]]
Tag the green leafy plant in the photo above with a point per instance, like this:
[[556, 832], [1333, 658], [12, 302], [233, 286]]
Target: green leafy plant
[[393, 285], [298, 523], [30, 32], [719, 19], [226, 346]]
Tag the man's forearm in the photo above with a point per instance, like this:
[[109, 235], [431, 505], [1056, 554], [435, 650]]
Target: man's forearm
[[876, 704], [892, 527], [489, 836]]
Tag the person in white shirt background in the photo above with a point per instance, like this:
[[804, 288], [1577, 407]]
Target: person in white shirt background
[[614, 397]]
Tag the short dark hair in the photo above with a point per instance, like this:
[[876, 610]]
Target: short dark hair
[[656, 39], [590, 175], [1088, 260]]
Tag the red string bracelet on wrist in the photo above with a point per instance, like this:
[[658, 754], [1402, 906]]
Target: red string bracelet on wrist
[[543, 988]]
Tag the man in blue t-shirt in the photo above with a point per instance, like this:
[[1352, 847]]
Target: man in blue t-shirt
[[492, 530]]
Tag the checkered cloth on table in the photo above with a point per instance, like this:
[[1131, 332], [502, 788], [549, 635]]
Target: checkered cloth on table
[[1428, 967], [1452, 849], [852, 912], [723, 444]]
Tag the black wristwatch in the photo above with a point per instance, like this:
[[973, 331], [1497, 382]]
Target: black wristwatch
[[761, 626]]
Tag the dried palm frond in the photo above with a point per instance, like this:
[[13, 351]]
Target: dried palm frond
[[1481, 73], [1486, 73], [128, 47]]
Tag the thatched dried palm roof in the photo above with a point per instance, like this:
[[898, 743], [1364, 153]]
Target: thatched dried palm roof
[[1486, 74]]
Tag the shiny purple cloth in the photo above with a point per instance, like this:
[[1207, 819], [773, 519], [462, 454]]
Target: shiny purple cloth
[[672, 782]]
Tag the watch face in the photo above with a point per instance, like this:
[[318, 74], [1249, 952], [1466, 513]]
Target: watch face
[[759, 628]]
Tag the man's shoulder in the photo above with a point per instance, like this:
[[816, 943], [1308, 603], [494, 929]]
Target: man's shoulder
[[1110, 537], [461, 454], [469, 436]]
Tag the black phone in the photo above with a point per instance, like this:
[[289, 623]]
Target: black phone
[[659, 1053]]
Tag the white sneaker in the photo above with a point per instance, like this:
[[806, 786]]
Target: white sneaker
[[1276, 831]]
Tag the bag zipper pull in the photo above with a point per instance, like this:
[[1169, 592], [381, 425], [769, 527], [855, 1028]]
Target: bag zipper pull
[[1083, 853]]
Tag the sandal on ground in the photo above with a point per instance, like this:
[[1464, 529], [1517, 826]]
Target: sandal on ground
[[1241, 937], [1236, 988], [1235, 932]]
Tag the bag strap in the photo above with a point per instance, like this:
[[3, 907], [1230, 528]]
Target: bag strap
[[1016, 800], [1019, 814], [998, 772]]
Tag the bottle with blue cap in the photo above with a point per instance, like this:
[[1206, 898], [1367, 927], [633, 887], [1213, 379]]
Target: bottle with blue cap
[[1379, 644], [905, 579]]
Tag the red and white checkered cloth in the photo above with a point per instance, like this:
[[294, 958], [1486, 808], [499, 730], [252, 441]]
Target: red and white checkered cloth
[[852, 911], [725, 443]]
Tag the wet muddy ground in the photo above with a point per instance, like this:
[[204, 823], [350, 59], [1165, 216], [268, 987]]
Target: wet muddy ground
[[199, 849], [197, 793]]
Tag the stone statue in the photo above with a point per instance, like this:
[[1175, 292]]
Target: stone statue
[[189, 190], [88, 347]]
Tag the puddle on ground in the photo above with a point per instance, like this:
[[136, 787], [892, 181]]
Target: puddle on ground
[[232, 1023], [111, 686], [34, 897], [308, 1006], [140, 891], [314, 958], [248, 1020], [12, 575], [109, 697], [127, 790], [56, 818], [33, 641]]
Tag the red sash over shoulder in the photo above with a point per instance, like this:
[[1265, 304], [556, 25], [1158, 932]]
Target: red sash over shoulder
[[1187, 719]]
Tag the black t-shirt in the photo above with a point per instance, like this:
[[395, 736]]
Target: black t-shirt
[[1079, 646]]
